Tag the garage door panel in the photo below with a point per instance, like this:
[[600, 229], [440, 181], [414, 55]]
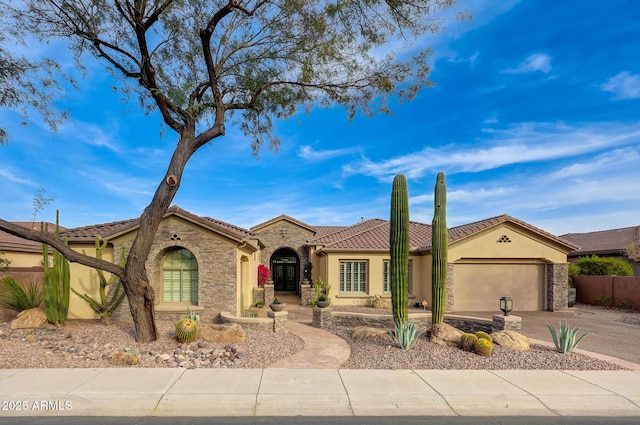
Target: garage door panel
[[479, 286]]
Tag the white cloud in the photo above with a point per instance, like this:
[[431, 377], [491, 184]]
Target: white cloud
[[15, 178], [518, 144], [538, 62], [308, 153], [608, 161], [91, 134], [624, 85]]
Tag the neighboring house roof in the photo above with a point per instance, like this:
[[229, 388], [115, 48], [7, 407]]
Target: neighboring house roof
[[116, 228], [613, 241], [10, 242]]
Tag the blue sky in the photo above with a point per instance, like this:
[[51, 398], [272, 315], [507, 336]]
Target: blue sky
[[535, 113]]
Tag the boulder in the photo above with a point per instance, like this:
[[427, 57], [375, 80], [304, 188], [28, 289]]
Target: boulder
[[125, 359], [224, 332], [443, 334], [365, 332], [30, 319], [511, 340]]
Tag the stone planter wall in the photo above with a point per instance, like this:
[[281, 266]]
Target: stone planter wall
[[275, 322]]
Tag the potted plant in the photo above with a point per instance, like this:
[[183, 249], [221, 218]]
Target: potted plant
[[322, 299], [277, 304]]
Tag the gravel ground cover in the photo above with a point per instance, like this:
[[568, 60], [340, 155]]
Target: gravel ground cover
[[90, 343]]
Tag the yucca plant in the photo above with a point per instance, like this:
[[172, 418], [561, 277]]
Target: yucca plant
[[405, 335], [566, 341], [19, 297]]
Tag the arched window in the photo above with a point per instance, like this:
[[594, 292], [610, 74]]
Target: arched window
[[180, 277]]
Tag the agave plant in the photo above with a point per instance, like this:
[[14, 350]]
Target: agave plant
[[566, 341], [405, 334]]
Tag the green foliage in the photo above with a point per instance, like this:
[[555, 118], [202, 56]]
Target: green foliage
[[108, 303], [277, 300], [321, 291], [260, 304], [482, 334], [186, 330], [376, 301], [19, 296], [55, 283], [604, 301], [192, 315], [439, 250], [399, 249], [467, 341], [4, 264], [483, 347], [598, 266], [405, 334], [565, 340], [574, 270]]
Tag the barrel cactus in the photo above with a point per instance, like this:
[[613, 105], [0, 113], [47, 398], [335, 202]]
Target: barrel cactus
[[399, 249], [483, 347], [467, 341], [186, 330], [482, 334]]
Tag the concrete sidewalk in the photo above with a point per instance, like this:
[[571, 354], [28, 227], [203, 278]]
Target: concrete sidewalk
[[317, 392]]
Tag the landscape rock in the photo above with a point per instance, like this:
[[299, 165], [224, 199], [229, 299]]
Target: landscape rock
[[511, 340], [225, 332], [444, 334], [125, 359], [30, 319], [361, 333]]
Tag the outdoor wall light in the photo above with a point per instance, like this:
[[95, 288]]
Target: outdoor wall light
[[506, 305]]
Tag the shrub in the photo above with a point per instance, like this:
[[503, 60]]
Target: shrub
[[566, 341], [597, 266], [19, 296]]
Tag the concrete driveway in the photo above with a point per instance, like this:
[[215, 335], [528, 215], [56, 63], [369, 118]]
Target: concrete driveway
[[609, 336]]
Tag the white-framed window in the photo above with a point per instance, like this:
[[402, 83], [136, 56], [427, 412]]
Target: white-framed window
[[353, 276], [180, 277], [386, 276]]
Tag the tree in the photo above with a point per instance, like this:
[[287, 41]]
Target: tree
[[206, 64], [26, 84]]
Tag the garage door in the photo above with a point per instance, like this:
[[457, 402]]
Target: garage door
[[478, 286]]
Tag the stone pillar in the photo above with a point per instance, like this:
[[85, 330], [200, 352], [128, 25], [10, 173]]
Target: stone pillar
[[449, 286], [506, 323], [306, 295], [269, 293], [557, 286], [258, 295], [279, 321], [321, 317]]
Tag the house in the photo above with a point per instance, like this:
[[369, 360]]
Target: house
[[606, 243], [211, 266]]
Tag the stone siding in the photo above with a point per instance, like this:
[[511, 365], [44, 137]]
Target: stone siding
[[557, 286], [295, 238], [217, 269], [270, 324]]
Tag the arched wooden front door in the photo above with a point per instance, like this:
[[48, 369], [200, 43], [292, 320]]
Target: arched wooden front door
[[285, 270]]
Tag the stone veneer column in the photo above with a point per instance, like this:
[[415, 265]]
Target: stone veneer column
[[269, 293], [279, 321], [321, 317], [506, 323], [557, 288], [306, 294], [449, 288]]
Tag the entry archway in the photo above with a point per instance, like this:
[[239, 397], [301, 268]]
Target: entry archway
[[285, 270]]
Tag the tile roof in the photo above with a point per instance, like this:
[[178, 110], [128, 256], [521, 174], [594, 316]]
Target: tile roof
[[374, 234], [282, 217], [604, 241], [107, 230]]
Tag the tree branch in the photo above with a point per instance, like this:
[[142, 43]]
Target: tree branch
[[51, 240]]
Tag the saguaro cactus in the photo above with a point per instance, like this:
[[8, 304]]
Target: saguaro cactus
[[439, 250], [399, 249], [107, 304], [55, 282]]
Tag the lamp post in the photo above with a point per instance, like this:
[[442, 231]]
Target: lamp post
[[506, 304]]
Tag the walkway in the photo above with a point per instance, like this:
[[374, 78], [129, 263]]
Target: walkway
[[322, 349]]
